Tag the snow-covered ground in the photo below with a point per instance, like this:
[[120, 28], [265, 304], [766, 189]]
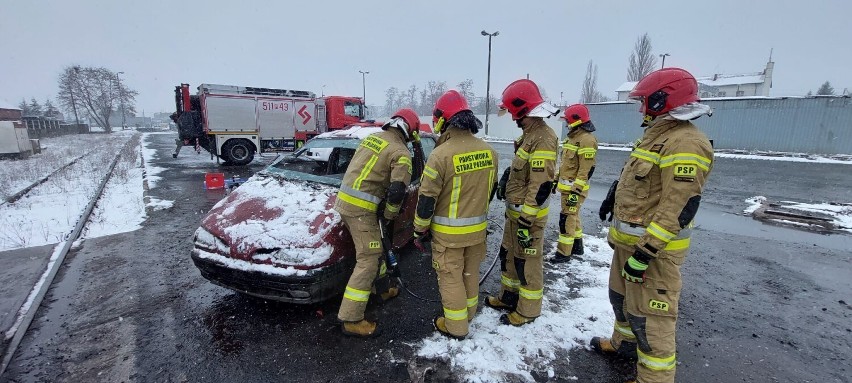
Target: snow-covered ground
[[841, 214], [494, 351], [49, 212]]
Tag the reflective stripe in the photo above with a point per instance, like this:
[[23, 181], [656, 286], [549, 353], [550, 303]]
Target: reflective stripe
[[455, 314], [383, 269], [578, 233], [654, 363], [491, 176], [566, 239], [459, 230], [360, 195], [649, 156], [587, 152], [626, 331], [543, 155], [365, 172], [658, 231], [531, 294], [514, 211], [473, 301], [422, 222], [575, 123], [459, 221], [392, 208], [522, 154], [343, 196], [356, 295], [636, 265], [509, 282], [429, 172], [582, 184], [454, 197], [639, 230], [570, 147], [468, 225], [531, 210], [405, 161], [630, 240], [685, 158]]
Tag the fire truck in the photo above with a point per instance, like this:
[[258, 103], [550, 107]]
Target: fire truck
[[235, 122]]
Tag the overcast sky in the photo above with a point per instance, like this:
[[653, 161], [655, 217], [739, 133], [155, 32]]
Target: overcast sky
[[309, 44]]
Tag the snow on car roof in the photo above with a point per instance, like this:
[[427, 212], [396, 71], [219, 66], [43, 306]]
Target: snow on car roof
[[355, 131]]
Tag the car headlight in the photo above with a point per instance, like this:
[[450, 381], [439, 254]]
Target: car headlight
[[207, 240]]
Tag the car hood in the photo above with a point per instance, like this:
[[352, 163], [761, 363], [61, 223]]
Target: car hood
[[276, 221]]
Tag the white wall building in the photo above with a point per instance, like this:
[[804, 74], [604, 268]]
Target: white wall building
[[723, 85]]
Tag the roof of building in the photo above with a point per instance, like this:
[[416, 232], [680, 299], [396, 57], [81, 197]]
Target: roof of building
[[715, 80], [6, 105]]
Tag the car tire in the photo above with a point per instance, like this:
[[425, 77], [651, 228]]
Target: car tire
[[238, 152]]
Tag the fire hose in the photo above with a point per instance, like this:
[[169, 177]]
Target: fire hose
[[393, 265]]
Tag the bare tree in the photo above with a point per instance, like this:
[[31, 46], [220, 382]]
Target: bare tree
[[589, 92], [479, 106], [391, 100], [465, 88], [410, 99], [429, 95], [642, 60], [825, 89], [97, 91]]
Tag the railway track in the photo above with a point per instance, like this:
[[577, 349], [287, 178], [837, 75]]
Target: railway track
[[60, 251]]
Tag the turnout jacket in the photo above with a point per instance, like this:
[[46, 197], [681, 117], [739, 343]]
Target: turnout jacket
[[578, 162], [380, 159], [661, 184], [455, 189], [532, 175]]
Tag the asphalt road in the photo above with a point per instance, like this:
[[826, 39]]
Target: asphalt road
[[759, 303]]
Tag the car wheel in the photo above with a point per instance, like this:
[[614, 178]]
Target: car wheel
[[238, 152]]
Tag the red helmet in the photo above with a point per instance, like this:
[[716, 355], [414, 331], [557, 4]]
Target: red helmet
[[665, 89], [576, 114], [520, 97], [412, 122], [447, 106]]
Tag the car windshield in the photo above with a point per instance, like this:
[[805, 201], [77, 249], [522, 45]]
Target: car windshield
[[321, 159]]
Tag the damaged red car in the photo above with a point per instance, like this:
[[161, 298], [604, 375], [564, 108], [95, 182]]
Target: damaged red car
[[277, 236]]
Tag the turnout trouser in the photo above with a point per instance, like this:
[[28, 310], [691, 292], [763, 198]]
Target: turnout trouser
[[458, 282], [646, 313], [570, 224], [522, 271], [368, 256]]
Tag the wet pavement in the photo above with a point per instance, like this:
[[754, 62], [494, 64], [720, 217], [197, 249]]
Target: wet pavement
[[759, 303]]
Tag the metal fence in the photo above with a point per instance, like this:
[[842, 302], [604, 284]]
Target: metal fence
[[38, 127], [821, 125]]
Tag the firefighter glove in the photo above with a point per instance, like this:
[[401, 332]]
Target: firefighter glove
[[420, 237], [501, 186], [634, 268], [524, 238], [608, 203]]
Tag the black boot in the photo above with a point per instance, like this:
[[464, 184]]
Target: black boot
[[578, 247], [559, 258]]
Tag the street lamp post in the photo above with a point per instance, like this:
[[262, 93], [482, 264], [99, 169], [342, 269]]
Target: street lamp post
[[364, 86], [663, 55], [488, 81], [121, 100]]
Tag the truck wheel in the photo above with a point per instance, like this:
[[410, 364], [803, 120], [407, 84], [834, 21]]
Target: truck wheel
[[238, 152]]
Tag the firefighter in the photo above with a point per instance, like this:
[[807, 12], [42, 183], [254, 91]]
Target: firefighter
[[578, 164], [653, 205], [374, 184], [453, 208], [527, 193]]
